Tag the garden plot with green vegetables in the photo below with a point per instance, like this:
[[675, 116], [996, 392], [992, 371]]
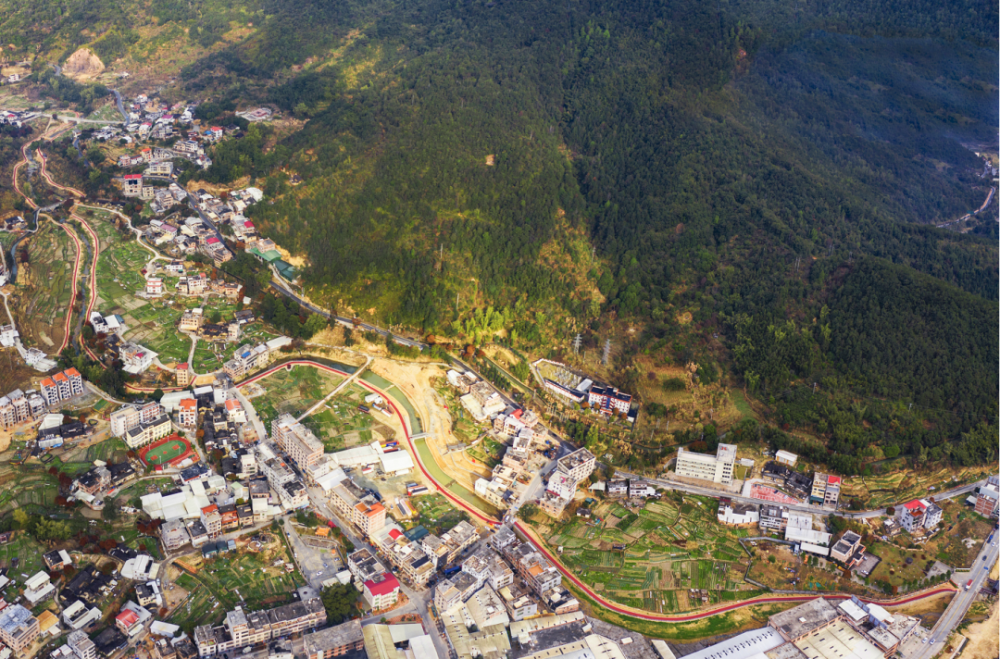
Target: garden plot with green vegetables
[[341, 425], [667, 555], [293, 391]]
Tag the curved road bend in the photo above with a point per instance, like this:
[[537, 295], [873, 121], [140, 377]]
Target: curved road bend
[[645, 615]]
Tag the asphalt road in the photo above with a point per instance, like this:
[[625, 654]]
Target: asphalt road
[[960, 604], [808, 508]]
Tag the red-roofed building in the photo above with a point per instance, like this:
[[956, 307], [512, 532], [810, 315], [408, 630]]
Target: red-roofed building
[[832, 495], [919, 514], [50, 391], [132, 185], [126, 621], [75, 381], [212, 241], [235, 412], [381, 592], [395, 534], [187, 412], [61, 386]]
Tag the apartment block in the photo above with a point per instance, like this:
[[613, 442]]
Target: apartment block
[[250, 628], [716, 468], [130, 416], [577, 465], [187, 412], [146, 433], [986, 500], [334, 641], [16, 408], [301, 445], [18, 628]]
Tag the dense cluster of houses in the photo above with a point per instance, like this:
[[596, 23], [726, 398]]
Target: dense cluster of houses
[[193, 234], [22, 406], [570, 471], [151, 119], [83, 595], [16, 117]]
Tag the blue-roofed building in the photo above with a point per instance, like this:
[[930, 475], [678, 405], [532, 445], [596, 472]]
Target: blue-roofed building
[[417, 533]]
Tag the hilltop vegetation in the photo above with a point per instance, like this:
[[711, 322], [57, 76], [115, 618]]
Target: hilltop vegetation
[[767, 170]]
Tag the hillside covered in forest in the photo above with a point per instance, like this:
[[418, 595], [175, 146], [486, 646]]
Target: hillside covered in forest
[[774, 169]]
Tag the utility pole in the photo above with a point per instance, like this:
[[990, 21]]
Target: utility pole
[[576, 343], [605, 357]]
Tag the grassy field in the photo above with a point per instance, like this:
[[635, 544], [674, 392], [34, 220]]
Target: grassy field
[[904, 484], [25, 548], [803, 572], [199, 609], [34, 489], [672, 547], [739, 620], [107, 112], [248, 579], [463, 426], [208, 357], [435, 513], [118, 271], [294, 392], [488, 451]]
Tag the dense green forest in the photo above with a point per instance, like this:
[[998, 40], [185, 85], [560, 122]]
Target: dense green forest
[[774, 168]]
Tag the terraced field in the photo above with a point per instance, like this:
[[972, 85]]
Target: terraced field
[[44, 286], [666, 556]]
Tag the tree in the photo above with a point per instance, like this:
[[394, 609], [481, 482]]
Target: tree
[[21, 518], [214, 316], [157, 395], [527, 511], [50, 529], [314, 325], [593, 436], [339, 600], [110, 512]]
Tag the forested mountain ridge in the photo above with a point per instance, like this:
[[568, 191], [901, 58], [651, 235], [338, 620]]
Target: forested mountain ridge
[[752, 163]]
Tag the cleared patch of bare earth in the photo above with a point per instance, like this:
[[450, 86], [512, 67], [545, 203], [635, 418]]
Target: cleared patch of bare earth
[[83, 65]]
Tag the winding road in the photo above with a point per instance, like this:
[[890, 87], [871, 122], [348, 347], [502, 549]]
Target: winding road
[[72, 234]]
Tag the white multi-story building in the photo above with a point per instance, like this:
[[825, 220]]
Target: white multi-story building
[[135, 358], [577, 465], [301, 445], [716, 468], [919, 514], [147, 433], [61, 386], [187, 412], [130, 416]]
